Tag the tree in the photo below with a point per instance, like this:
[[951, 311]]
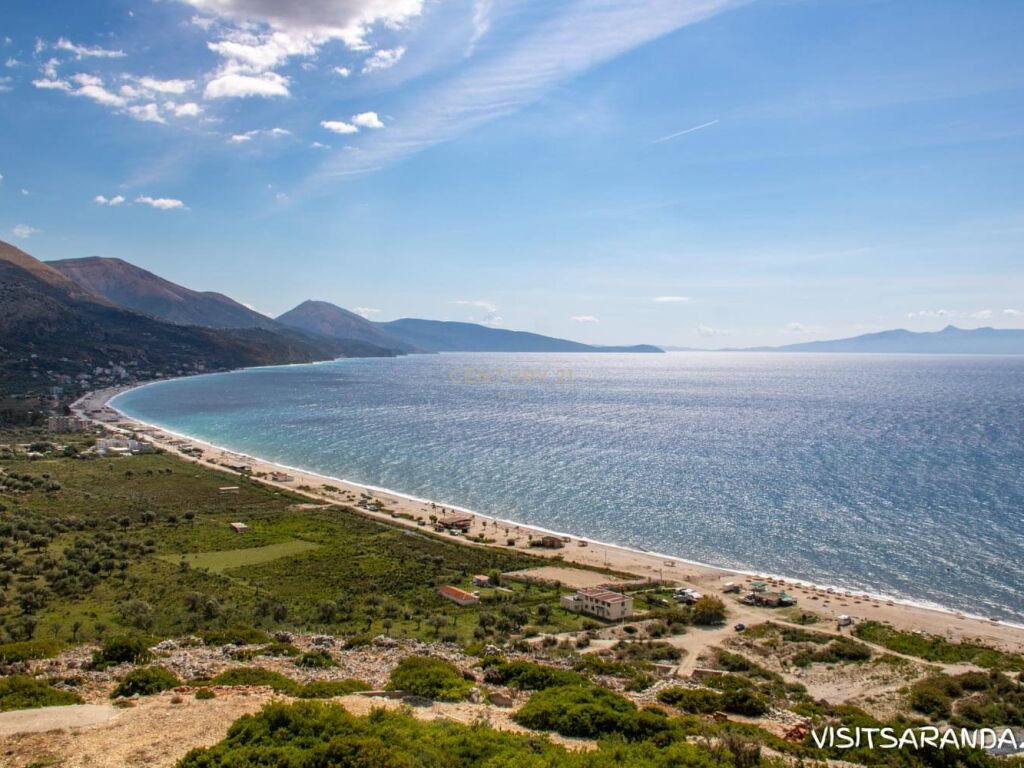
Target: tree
[[708, 610]]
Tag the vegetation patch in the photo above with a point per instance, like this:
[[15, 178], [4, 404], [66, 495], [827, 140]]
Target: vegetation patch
[[938, 649], [429, 677], [223, 560], [326, 689], [256, 676], [24, 692], [588, 712], [146, 681]]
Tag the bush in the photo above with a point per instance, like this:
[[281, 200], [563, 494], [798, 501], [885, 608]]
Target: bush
[[841, 649], [24, 692], [527, 676], [310, 733], [238, 634], [205, 693], [429, 677], [316, 660], [120, 650], [708, 611], [744, 701], [256, 676], [11, 653], [145, 681], [325, 689], [587, 712], [693, 700]]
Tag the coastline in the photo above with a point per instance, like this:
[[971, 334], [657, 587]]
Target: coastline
[[824, 600]]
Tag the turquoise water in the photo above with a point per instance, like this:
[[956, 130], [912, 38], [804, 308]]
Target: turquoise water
[[901, 475]]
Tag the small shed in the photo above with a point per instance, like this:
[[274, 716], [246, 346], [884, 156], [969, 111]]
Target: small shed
[[239, 527]]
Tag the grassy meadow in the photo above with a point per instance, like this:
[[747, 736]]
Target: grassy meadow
[[93, 546]]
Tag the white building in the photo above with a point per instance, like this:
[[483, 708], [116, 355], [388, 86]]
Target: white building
[[600, 602]]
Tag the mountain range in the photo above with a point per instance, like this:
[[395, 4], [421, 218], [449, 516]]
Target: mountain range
[[131, 287], [949, 341]]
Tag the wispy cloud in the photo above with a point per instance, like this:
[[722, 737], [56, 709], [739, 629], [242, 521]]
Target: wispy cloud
[[685, 131], [111, 201], [584, 319], [670, 299], [383, 59], [366, 311], [85, 51], [24, 230], [708, 331], [582, 36]]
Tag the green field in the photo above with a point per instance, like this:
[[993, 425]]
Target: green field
[[91, 547], [223, 560]]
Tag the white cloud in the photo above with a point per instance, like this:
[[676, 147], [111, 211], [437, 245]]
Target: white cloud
[[931, 313], [161, 203], [52, 85], [232, 85], [982, 314], [367, 120], [84, 51], [320, 145], [670, 299], [188, 109], [1014, 312], [317, 21], [148, 113], [385, 58], [366, 311], [49, 68], [279, 132], [261, 35], [112, 201], [584, 319], [241, 138], [338, 126], [707, 331], [572, 40], [12, 62], [100, 95], [24, 230], [484, 305], [153, 85], [794, 327], [342, 71], [6, 84]]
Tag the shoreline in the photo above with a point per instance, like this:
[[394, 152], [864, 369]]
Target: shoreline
[[862, 605]]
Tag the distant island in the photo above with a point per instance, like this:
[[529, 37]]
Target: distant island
[[949, 341]]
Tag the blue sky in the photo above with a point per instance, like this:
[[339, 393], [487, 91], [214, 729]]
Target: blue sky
[[690, 172]]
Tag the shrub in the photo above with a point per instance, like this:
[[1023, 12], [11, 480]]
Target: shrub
[[694, 700], [145, 681], [588, 712], [429, 677], [11, 653], [205, 693], [325, 689], [120, 650], [239, 634], [256, 676], [24, 692], [527, 676], [316, 660], [708, 611], [839, 650], [744, 701]]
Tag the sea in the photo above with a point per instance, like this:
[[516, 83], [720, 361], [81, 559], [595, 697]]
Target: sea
[[897, 475]]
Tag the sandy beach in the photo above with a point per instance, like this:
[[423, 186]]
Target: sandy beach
[[408, 511]]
